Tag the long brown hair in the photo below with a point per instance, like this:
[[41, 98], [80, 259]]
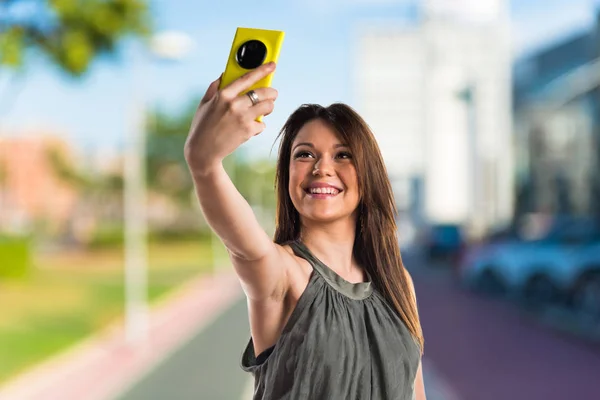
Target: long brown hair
[[376, 244]]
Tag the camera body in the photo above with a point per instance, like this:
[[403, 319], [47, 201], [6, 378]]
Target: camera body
[[250, 49]]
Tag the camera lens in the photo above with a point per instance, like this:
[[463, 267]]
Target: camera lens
[[251, 54]]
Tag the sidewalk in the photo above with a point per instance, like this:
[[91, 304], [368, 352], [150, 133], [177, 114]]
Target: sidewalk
[[102, 366]]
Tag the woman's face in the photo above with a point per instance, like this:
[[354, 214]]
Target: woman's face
[[323, 183]]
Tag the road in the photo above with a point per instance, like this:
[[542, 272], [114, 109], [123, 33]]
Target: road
[[484, 349], [488, 349], [206, 368]]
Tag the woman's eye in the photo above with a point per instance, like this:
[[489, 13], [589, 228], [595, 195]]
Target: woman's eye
[[344, 154], [302, 154]]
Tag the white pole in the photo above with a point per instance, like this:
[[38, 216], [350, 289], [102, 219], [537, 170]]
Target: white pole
[[169, 45], [136, 313]]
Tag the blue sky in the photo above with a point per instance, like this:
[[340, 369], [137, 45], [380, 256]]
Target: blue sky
[[313, 67]]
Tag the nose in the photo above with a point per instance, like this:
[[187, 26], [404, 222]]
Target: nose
[[323, 167]]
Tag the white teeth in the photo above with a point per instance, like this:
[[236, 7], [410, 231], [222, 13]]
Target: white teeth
[[327, 190]]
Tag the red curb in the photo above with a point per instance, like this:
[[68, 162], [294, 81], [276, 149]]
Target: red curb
[[104, 365]]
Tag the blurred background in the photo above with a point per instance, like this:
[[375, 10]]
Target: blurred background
[[487, 114]]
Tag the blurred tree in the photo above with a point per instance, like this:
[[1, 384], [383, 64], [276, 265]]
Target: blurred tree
[[110, 184], [167, 172], [100, 195], [65, 170], [3, 173], [256, 181], [167, 176], [166, 167], [71, 33]]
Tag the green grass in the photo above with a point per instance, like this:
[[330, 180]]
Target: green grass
[[72, 295]]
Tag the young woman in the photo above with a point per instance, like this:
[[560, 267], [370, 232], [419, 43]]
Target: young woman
[[332, 309]]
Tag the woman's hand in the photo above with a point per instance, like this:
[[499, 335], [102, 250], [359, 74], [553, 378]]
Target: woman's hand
[[225, 120]]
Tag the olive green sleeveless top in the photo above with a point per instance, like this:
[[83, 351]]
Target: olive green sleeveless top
[[342, 341]]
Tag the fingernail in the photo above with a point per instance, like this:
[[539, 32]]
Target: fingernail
[[271, 64]]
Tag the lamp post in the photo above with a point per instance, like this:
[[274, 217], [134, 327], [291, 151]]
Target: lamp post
[[165, 46], [467, 97]]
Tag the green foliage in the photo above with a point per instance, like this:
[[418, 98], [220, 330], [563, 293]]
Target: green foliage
[[68, 298], [3, 173], [15, 257], [107, 236], [165, 163], [178, 235], [70, 174], [12, 43], [71, 33], [256, 179], [65, 170], [167, 170]]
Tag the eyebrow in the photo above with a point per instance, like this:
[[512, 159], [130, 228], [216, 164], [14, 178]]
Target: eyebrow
[[313, 146]]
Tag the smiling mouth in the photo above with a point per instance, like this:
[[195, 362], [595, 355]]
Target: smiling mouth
[[321, 193]]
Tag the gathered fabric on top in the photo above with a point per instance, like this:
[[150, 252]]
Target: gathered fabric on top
[[342, 341]]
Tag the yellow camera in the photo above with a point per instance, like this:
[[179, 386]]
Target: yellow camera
[[252, 48]]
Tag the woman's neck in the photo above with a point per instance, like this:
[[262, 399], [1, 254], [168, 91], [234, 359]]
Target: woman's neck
[[333, 244]]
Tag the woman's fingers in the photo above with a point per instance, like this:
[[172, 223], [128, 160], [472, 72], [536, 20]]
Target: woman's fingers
[[213, 88], [265, 107], [257, 127], [262, 94], [267, 93], [246, 81]]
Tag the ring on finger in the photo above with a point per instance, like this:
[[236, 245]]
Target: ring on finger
[[253, 97]]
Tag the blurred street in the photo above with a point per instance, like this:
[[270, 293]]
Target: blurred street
[[488, 349], [476, 348], [207, 367]]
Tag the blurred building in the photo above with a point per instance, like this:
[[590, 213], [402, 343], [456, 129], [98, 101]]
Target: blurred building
[[437, 94], [30, 190], [557, 117]]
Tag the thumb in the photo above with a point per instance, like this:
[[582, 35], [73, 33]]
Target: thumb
[[212, 90]]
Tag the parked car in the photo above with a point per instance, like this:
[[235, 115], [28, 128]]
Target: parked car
[[584, 293], [562, 266], [476, 266], [444, 241]]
